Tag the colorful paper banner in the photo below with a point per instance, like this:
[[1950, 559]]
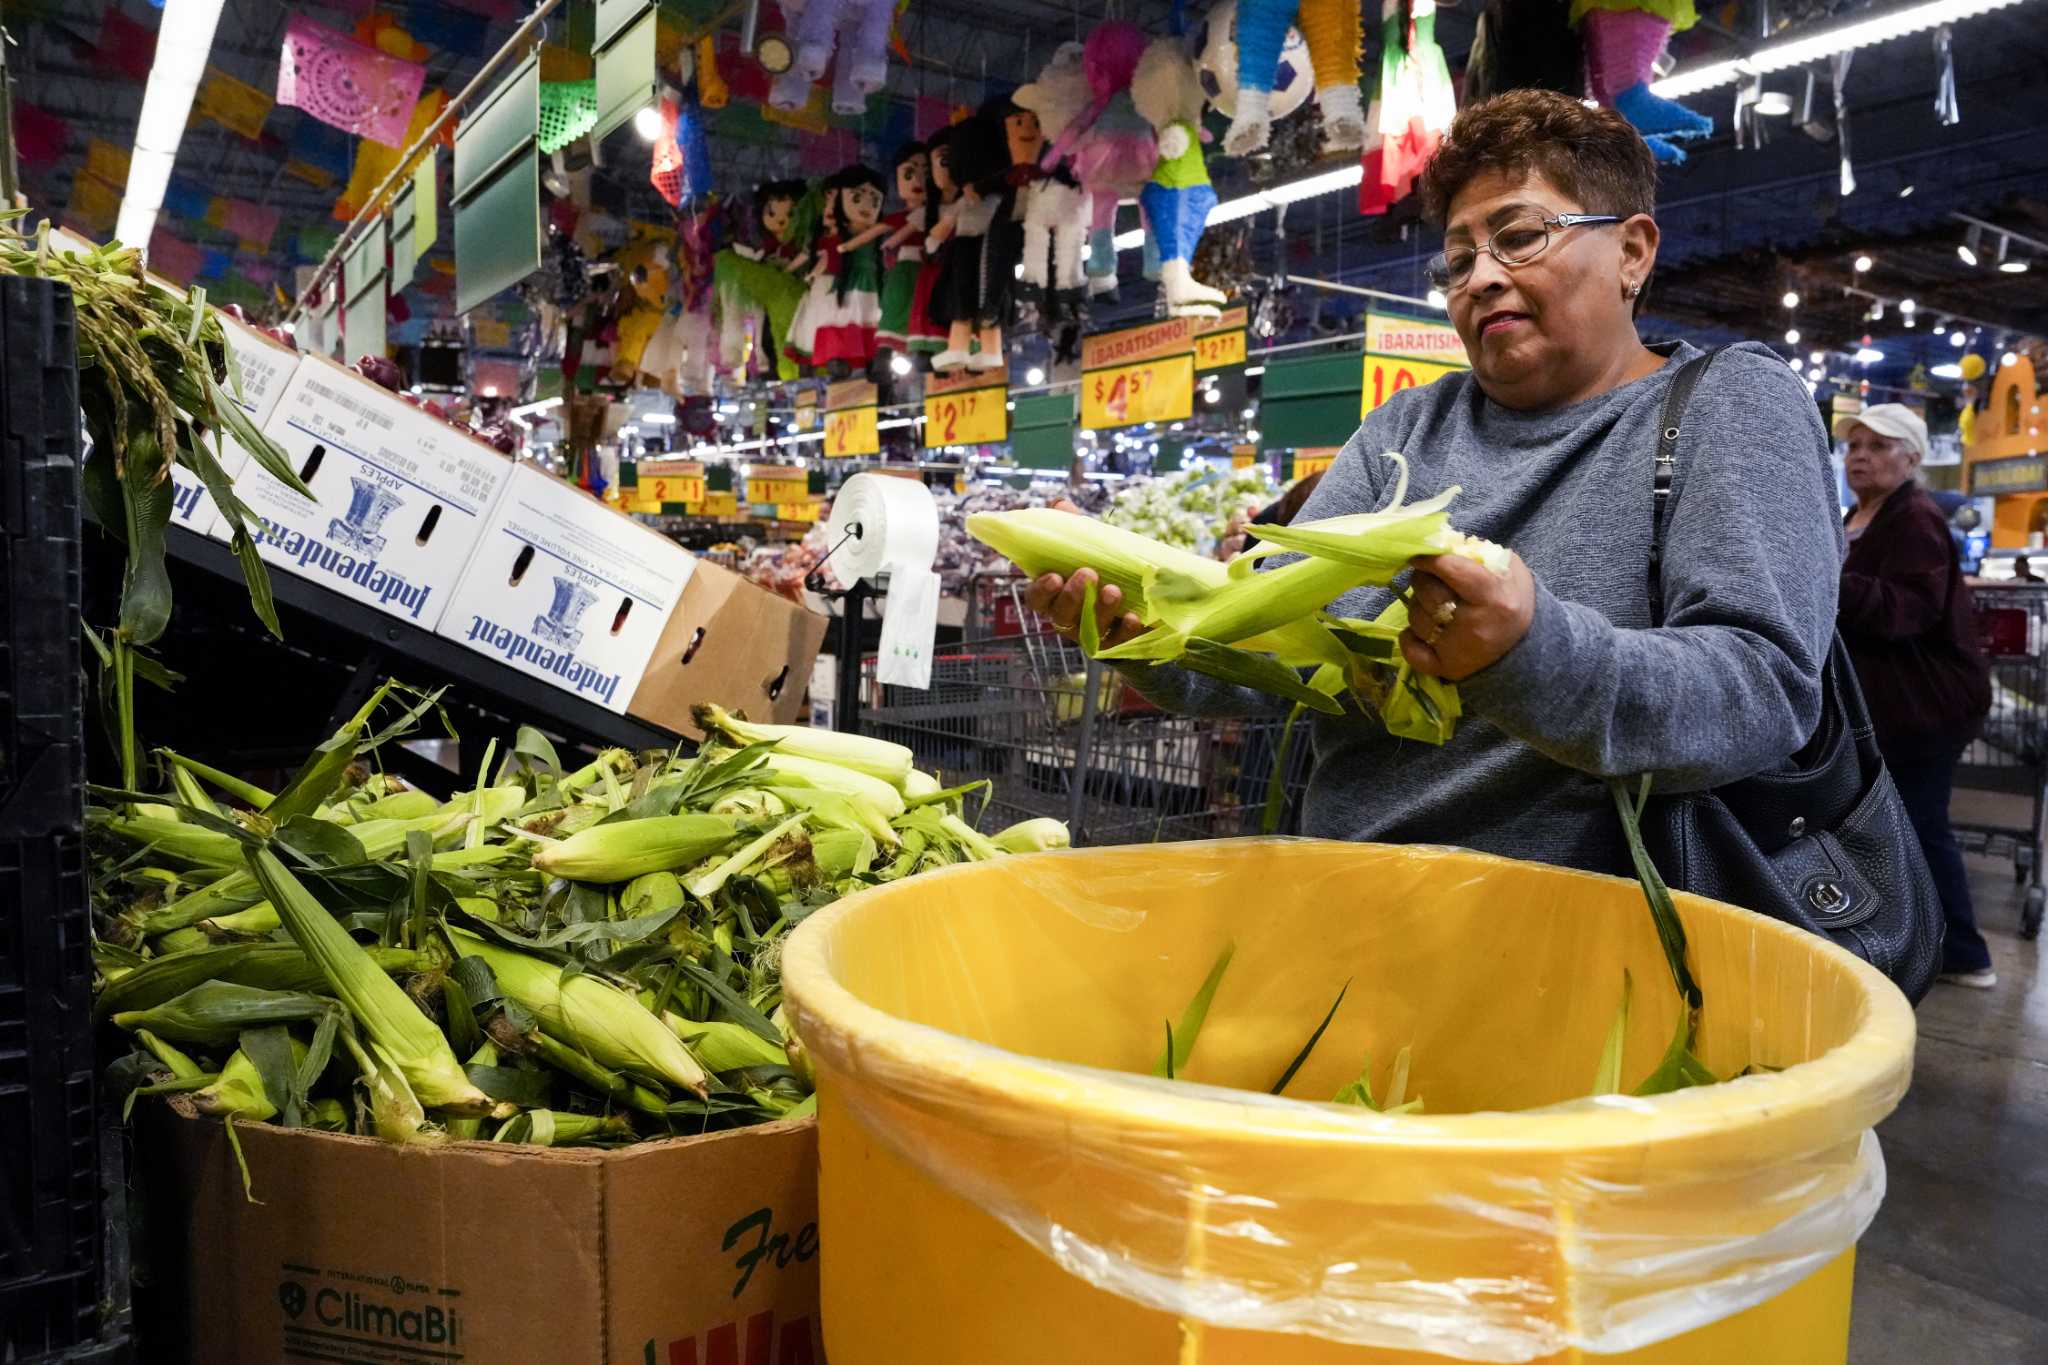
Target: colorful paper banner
[[234, 104], [125, 48], [346, 84]]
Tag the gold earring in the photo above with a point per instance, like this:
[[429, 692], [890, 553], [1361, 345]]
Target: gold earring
[[1634, 289]]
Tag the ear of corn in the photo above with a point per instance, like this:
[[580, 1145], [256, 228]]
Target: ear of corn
[[173, 841], [180, 1066], [920, 783], [214, 1013], [877, 758], [222, 896], [269, 966], [552, 1128], [707, 883], [404, 1037], [1032, 836], [240, 1090], [395, 1111], [879, 795], [624, 849], [590, 1014]]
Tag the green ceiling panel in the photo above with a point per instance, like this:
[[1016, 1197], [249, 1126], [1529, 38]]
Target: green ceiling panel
[[1042, 431], [497, 190], [1311, 401], [363, 286], [625, 61]]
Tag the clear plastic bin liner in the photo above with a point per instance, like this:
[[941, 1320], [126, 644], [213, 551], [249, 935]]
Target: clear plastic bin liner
[[996, 1023]]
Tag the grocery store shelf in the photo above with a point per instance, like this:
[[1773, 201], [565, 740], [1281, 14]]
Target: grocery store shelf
[[426, 658]]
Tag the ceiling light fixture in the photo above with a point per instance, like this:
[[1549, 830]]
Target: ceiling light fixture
[[1791, 300], [1947, 370], [1955, 338], [1863, 264], [1792, 337], [1816, 357], [1774, 104], [184, 40], [1972, 240], [647, 123], [1866, 355], [1034, 375], [1802, 49]]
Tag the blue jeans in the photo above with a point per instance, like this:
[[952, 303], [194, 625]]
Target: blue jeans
[[1924, 782]]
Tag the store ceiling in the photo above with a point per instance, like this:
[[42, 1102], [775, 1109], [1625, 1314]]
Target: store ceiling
[[1737, 223]]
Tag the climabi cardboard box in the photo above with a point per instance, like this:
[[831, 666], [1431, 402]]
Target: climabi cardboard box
[[733, 643], [568, 590], [691, 1251], [265, 367], [400, 496]]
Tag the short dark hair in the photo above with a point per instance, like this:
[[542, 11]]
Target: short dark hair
[[1593, 155]]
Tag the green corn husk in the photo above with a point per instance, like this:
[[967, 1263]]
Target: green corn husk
[[406, 805], [625, 849], [552, 1128], [878, 758], [1032, 836], [240, 1092], [396, 1114], [179, 1065], [398, 1031], [329, 1116], [878, 795], [920, 783], [174, 841], [214, 1013], [724, 1046], [613, 1027], [839, 811], [247, 793], [222, 896], [269, 966], [651, 894], [470, 1126], [704, 884], [842, 853]]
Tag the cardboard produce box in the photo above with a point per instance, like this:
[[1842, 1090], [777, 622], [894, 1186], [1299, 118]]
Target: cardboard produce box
[[733, 643], [691, 1251], [568, 589], [265, 367], [401, 497]]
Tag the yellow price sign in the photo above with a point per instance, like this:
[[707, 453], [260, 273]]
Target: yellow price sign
[[1161, 390], [966, 417], [1387, 375], [797, 511], [852, 432], [778, 490], [671, 488], [1217, 350], [721, 505], [1314, 460]]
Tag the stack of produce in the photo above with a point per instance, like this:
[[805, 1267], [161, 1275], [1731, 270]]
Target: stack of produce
[[1270, 631], [1190, 510], [590, 956]]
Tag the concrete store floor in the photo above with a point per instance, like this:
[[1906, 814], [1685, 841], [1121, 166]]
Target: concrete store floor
[[1955, 1269]]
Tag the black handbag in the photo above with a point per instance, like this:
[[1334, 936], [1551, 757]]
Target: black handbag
[[1822, 841]]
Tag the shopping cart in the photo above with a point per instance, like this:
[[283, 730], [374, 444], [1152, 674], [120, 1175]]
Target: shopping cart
[[1058, 734], [2000, 780]]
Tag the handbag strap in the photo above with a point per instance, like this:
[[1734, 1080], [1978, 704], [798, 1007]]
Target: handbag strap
[[1666, 470]]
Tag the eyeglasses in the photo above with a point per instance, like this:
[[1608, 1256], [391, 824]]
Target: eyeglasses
[[1517, 242]]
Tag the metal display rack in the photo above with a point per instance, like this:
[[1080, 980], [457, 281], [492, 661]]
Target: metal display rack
[[2001, 780]]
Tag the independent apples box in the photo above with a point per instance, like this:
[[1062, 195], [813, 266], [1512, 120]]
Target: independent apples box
[[264, 367], [567, 589], [731, 642], [688, 1251], [400, 497]]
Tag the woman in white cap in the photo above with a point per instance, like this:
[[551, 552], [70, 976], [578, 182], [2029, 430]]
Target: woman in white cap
[[1906, 618]]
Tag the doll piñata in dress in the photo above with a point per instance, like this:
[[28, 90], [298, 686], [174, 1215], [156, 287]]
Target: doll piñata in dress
[[972, 296], [835, 326], [903, 248]]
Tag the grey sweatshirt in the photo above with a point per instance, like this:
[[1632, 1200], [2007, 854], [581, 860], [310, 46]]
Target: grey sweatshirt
[[1728, 686]]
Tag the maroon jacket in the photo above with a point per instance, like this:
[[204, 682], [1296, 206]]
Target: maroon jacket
[[1907, 619]]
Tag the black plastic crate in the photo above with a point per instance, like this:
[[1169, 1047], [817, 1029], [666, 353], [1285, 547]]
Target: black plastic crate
[[42, 736]]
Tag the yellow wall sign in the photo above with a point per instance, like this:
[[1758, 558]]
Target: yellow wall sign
[[1221, 342], [1415, 339], [852, 432], [668, 481], [798, 511], [1138, 374], [850, 427], [967, 409], [1386, 376], [1314, 460], [1243, 457]]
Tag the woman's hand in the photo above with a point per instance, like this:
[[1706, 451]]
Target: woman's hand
[[1059, 600], [1462, 616]]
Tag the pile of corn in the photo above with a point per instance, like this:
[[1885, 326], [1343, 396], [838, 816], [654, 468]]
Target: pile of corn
[[583, 957], [1273, 631]]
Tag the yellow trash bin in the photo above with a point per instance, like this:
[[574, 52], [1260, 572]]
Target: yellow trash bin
[[1003, 1182]]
